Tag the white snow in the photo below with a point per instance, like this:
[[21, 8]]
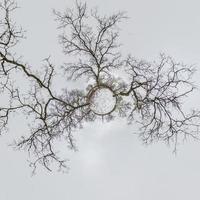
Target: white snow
[[102, 101]]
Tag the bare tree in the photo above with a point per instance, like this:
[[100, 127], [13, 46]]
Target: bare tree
[[151, 94]]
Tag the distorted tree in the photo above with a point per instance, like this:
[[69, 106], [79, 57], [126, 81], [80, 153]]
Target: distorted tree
[[149, 93]]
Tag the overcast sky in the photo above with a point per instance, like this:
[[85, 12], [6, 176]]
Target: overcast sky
[[111, 164]]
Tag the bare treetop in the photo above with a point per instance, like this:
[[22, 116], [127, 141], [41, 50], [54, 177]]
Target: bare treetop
[[150, 94]]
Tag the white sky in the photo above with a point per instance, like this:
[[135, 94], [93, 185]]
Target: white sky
[[111, 163]]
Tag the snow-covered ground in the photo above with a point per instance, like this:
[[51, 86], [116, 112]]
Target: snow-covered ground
[[102, 101]]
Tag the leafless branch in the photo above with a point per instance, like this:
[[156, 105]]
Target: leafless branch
[[152, 94]]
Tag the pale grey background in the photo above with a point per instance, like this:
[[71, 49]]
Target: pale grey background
[[111, 163]]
